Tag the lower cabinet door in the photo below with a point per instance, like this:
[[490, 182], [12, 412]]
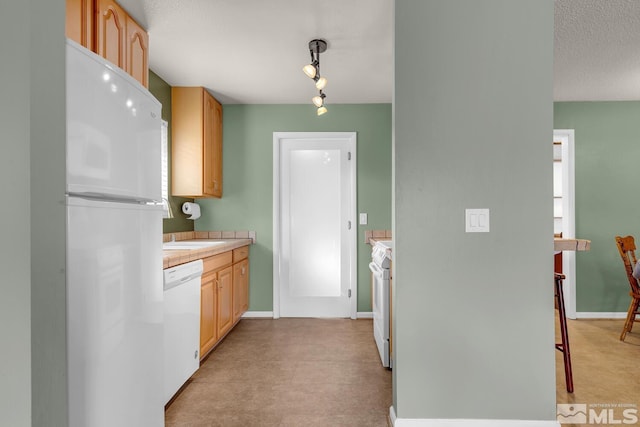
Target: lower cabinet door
[[225, 300], [240, 288], [208, 330]]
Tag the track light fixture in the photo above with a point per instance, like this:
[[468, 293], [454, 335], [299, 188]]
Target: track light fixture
[[312, 70]]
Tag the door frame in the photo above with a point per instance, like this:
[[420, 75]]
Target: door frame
[[567, 137], [351, 138]]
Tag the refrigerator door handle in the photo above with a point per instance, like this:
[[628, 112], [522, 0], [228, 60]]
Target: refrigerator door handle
[[115, 199]]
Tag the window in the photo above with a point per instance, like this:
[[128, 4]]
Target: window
[[164, 153]]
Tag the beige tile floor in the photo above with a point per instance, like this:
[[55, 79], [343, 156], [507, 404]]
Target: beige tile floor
[[288, 372]]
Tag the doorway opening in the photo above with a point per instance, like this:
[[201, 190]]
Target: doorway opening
[[564, 209]]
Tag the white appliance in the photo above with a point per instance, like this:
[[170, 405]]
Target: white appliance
[[114, 247], [181, 325], [380, 275]]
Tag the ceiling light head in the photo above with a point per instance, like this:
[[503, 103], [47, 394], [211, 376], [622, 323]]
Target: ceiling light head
[[318, 100], [321, 83], [322, 110], [310, 70]]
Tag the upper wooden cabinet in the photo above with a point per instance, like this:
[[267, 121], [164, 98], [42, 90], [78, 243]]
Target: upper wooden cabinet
[[137, 50], [106, 28], [111, 32], [79, 26], [213, 146], [196, 143]]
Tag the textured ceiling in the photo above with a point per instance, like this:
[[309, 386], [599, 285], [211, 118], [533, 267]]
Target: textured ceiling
[[597, 50], [252, 51]]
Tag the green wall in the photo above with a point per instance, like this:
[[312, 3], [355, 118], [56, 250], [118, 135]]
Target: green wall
[[248, 180], [473, 119], [15, 259], [162, 91], [607, 149], [48, 215]]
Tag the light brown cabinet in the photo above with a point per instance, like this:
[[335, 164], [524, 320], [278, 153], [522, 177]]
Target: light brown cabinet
[[137, 52], [196, 143], [79, 22], [224, 303], [208, 329], [223, 295], [111, 32], [214, 271], [107, 29], [240, 282]]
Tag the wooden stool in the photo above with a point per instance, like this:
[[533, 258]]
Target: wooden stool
[[564, 345]]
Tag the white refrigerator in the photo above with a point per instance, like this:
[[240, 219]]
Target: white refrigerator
[[114, 247]]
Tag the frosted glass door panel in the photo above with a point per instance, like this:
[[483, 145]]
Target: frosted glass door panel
[[315, 192], [314, 182]]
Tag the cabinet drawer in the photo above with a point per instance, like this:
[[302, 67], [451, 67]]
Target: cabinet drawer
[[240, 253], [217, 261]]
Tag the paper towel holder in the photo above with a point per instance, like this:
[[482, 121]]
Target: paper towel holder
[[192, 209]]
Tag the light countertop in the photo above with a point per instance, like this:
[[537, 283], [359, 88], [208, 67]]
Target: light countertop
[[560, 244], [173, 257]]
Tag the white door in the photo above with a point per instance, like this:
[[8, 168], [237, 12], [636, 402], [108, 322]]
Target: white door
[[314, 225]]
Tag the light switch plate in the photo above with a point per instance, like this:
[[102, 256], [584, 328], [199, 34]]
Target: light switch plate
[[363, 219], [477, 220]]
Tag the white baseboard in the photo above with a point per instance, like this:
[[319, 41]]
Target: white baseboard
[[601, 315], [369, 315], [257, 315], [414, 422], [269, 314]]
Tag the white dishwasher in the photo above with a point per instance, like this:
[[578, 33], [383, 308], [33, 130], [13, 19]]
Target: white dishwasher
[[181, 325]]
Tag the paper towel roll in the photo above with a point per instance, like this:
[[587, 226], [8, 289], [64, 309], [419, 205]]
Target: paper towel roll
[[192, 209]]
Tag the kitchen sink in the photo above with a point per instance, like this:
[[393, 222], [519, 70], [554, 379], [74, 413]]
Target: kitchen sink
[[190, 245]]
